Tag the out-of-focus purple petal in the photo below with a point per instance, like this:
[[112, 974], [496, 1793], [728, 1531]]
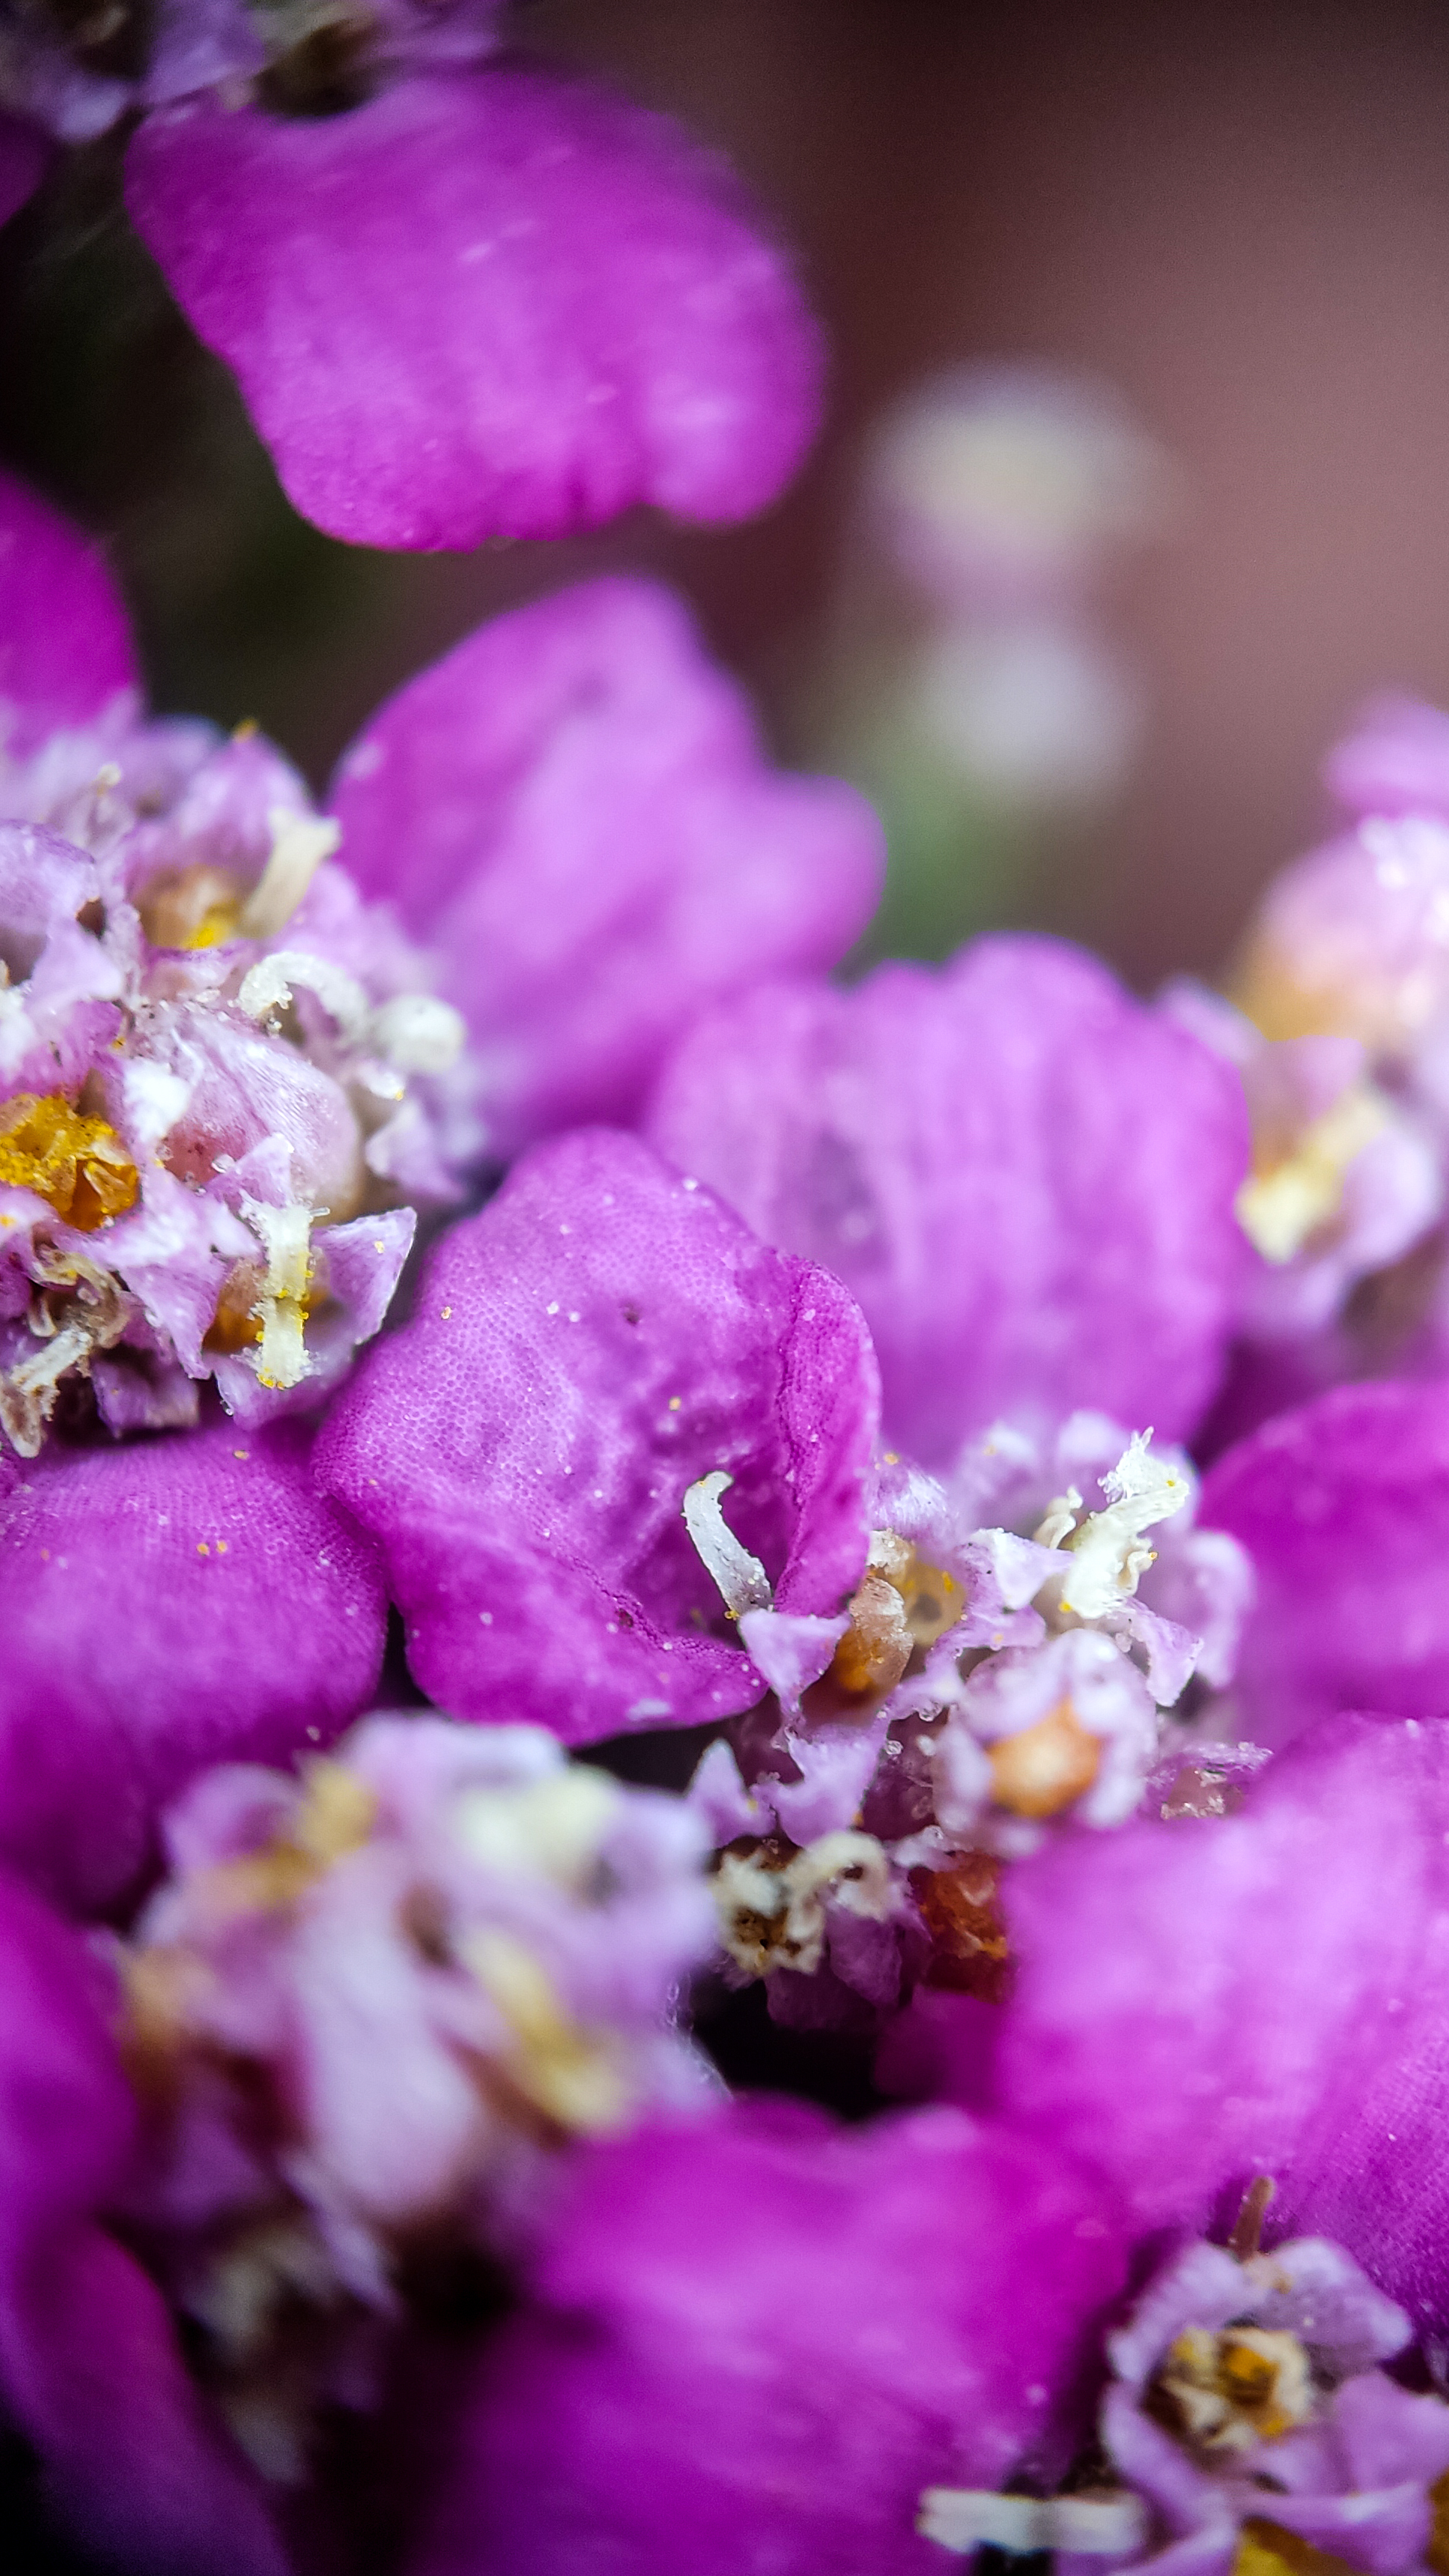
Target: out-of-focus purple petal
[[166, 1605], [573, 809], [755, 2342], [600, 1338], [24, 157], [1025, 1177], [482, 305], [1200, 2001], [1396, 761], [88, 2367], [1343, 1506], [65, 648]]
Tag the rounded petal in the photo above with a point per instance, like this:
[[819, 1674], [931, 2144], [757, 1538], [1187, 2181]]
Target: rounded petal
[[1200, 2001], [602, 1337], [492, 304], [24, 159], [1396, 761], [757, 2340], [573, 809], [1025, 1177], [89, 2370], [165, 1605], [1343, 1506], [65, 647]]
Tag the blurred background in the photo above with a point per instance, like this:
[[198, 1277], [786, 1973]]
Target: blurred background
[[1089, 608]]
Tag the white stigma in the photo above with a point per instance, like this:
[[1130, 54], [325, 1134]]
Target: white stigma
[[742, 1580], [285, 1235], [300, 843], [1107, 1549]]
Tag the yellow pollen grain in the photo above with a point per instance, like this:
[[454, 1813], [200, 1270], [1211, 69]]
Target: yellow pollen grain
[[78, 1164], [1266, 2549], [675, 1402], [201, 1548], [447, 1310]]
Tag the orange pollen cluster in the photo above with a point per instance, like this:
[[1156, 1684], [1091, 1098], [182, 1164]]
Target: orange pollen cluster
[[78, 1164], [1047, 1766], [902, 1603]]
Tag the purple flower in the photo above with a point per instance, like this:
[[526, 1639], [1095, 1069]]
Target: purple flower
[[463, 298], [620, 1469], [1246, 2407], [1205, 1999], [994, 1685], [752, 2343], [602, 1338], [166, 1605], [1348, 1071], [1026, 1179], [89, 2371], [368, 2006], [220, 1067], [1345, 1178]]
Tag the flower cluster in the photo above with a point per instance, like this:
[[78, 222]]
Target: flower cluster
[[891, 1552]]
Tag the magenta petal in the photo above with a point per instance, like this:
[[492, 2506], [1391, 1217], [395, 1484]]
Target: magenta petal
[[573, 810], [492, 304], [65, 647], [1396, 761], [1025, 1177], [1343, 1506], [1200, 2001], [166, 1605], [88, 2367], [24, 157], [599, 1339], [757, 2340]]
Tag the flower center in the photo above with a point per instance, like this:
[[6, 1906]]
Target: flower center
[[77, 1164], [772, 1896], [1043, 1768], [902, 1603], [1227, 2392], [1296, 1184]]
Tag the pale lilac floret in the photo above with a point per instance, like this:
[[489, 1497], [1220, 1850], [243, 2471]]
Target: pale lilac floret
[[1345, 1177], [1246, 2391], [1328, 2447], [90, 2373], [464, 298], [166, 1605], [601, 1338], [434, 1957], [750, 2344], [987, 1689], [1025, 1177]]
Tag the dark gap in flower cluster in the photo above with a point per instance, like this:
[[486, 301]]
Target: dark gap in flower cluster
[[756, 2054], [110, 38]]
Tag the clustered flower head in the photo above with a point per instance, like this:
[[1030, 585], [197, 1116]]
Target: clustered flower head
[[888, 1556]]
